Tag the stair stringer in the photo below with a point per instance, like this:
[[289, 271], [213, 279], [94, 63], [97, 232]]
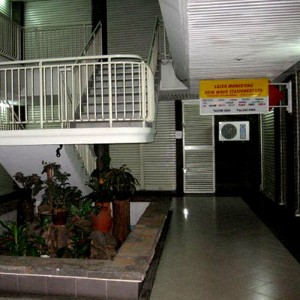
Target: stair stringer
[[28, 160]]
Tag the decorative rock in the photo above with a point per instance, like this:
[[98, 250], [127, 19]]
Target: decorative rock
[[103, 245], [98, 237]]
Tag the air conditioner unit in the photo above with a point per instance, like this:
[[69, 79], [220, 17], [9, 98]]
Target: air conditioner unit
[[234, 131]]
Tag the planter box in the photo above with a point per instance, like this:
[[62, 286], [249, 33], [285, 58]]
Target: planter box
[[121, 278]]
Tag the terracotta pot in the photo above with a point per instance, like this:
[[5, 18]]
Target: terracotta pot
[[59, 217], [103, 220]]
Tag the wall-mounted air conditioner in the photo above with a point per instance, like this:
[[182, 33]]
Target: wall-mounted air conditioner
[[234, 131]]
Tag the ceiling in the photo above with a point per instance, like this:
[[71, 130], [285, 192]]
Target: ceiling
[[232, 38]]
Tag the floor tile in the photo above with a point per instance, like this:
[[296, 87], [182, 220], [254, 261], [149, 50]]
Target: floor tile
[[218, 249]]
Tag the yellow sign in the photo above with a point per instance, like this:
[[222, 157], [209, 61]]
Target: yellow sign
[[234, 96], [234, 88]]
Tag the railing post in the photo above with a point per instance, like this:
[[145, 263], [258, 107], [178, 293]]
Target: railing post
[[144, 100], [151, 95], [41, 93], [110, 92]]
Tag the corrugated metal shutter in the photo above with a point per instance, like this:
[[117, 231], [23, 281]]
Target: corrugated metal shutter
[[160, 156], [153, 164], [268, 155], [198, 150], [5, 7], [57, 12], [130, 25], [283, 157], [56, 28], [6, 182], [128, 154]]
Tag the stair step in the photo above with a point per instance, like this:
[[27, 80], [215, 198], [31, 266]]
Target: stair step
[[118, 82]]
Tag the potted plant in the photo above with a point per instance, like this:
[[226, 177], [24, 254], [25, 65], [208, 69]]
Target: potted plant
[[121, 182], [81, 211], [59, 194], [30, 185], [122, 185], [101, 196]]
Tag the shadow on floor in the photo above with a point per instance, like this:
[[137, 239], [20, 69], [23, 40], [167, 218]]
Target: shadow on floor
[[282, 223]]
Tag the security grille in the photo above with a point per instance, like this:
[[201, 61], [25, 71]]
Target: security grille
[[198, 150]]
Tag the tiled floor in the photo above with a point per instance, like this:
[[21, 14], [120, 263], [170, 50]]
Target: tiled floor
[[218, 249]]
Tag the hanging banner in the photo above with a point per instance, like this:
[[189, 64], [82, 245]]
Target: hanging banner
[[234, 96]]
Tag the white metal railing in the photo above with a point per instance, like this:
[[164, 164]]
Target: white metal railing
[[92, 48], [94, 44], [6, 113], [59, 93], [10, 38], [159, 50], [159, 46], [164, 48]]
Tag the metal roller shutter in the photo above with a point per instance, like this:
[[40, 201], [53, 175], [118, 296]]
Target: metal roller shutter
[[128, 154], [57, 12], [56, 28], [130, 25], [283, 157], [153, 164], [268, 155], [160, 156]]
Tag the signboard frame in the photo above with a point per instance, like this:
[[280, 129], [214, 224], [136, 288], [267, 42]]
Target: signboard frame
[[234, 96]]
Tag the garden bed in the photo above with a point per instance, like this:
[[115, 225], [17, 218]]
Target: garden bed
[[120, 278]]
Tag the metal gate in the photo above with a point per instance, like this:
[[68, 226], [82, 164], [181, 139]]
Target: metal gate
[[198, 150]]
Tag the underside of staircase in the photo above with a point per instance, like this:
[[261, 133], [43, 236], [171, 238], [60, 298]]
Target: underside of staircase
[[29, 160]]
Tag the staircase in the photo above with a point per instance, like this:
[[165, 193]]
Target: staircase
[[114, 97], [79, 101]]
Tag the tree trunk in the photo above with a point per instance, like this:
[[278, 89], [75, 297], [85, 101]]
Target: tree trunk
[[102, 153], [121, 220], [56, 238]]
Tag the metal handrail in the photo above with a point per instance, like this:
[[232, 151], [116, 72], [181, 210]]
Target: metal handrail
[[116, 99], [91, 40]]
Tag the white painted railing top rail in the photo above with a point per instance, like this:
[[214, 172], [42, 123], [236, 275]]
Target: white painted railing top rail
[[61, 93]]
